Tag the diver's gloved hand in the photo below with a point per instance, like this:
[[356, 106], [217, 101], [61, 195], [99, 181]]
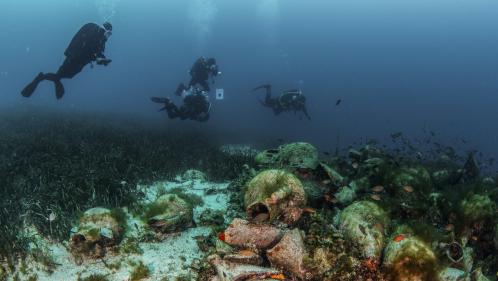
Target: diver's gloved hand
[[103, 62]]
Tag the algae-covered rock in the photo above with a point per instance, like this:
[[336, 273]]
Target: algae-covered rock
[[416, 177], [192, 174], [477, 208], [168, 213], [267, 158], [274, 195], [334, 176], [408, 258], [300, 155], [363, 223], [495, 239], [345, 195], [314, 192], [98, 228]]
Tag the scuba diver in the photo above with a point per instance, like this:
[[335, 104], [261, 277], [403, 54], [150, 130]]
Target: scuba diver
[[289, 100], [87, 46], [196, 105], [200, 72]]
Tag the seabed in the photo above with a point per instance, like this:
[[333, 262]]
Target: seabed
[[233, 212]]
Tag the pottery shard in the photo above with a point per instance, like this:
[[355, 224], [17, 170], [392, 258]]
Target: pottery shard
[[242, 233], [289, 253], [229, 271]]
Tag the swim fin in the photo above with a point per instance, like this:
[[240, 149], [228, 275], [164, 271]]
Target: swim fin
[[31, 87], [160, 100], [266, 86], [59, 89]]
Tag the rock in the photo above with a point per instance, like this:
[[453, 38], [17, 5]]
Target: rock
[[470, 168], [267, 158], [452, 274], [274, 195], [410, 259], [242, 233], [314, 192], [300, 155], [289, 253], [168, 213], [363, 223], [98, 228], [345, 195], [334, 176], [417, 177], [229, 271], [193, 175], [477, 208], [243, 150], [495, 239]]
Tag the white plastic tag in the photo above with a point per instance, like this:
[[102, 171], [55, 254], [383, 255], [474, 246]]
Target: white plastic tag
[[220, 94]]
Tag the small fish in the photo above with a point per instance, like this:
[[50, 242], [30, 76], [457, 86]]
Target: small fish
[[246, 253], [309, 210], [221, 236], [326, 182], [408, 188], [377, 188], [355, 165], [399, 238], [375, 197], [338, 102], [278, 276], [326, 153]]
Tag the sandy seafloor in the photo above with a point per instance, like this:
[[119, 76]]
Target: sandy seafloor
[[166, 259]]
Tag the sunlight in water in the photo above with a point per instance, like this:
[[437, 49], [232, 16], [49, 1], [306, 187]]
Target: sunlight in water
[[269, 11], [106, 8], [202, 14]]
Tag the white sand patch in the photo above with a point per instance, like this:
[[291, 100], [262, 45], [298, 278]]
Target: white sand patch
[[166, 259]]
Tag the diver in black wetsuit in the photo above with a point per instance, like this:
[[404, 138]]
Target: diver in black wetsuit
[[200, 72], [195, 106], [289, 100], [87, 46]]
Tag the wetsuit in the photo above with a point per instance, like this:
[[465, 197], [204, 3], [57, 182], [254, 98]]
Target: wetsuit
[[196, 106], [200, 72], [289, 100], [87, 45]]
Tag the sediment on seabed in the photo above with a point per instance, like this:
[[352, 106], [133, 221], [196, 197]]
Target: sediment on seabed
[[82, 200]]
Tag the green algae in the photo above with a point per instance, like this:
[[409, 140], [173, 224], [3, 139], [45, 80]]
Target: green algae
[[140, 272]]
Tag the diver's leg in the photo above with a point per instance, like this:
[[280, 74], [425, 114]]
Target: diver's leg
[[268, 99], [173, 111], [31, 87], [305, 111]]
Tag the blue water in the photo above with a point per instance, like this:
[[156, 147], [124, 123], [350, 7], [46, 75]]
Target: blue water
[[397, 65]]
